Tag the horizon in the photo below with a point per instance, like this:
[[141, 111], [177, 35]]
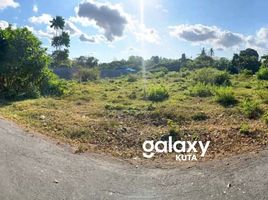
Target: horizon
[[114, 30]]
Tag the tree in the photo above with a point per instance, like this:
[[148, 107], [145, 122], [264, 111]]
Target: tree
[[247, 59], [203, 52], [264, 61], [23, 62], [57, 23], [211, 52], [203, 60], [135, 62], [60, 39], [86, 62], [222, 64]]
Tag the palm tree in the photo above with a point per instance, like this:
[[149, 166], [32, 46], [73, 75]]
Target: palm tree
[[57, 23], [211, 52]]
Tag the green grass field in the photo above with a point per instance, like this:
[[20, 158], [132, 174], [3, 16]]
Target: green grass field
[[115, 116]]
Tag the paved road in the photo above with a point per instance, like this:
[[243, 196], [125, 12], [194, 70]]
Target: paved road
[[34, 168]]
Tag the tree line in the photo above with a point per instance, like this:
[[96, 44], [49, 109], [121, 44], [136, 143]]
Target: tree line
[[26, 68]]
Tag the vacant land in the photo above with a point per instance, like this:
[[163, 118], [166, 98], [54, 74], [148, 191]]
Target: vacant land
[[116, 115]]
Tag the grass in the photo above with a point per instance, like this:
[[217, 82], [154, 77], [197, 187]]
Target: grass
[[225, 96], [112, 116]]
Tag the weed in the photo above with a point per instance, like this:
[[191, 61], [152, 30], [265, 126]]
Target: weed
[[200, 116], [244, 129], [200, 90], [225, 96], [157, 93], [262, 74], [251, 109]]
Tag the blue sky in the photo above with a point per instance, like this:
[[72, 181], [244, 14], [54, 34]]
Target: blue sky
[[115, 29]]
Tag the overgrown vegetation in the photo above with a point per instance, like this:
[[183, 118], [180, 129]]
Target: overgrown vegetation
[[251, 109], [111, 107], [157, 93], [225, 96], [24, 64], [201, 90]]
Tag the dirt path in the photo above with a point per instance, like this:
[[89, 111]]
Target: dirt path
[[33, 168]]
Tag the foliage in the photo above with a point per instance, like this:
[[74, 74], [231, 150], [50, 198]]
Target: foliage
[[50, 84], [60, 39], [22, 63], [211, 76], [225, 96], [85, 61], [132, 78], [265, 118], [244, 129], [247, 59], [200, 90], [85, 74], [157, 93], [262, 74], [60, 57], [200, 116], [251, 109], [263, 95]]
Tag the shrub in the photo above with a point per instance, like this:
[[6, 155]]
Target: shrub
[[52, 85], [263, 96], [244, 129], [200, 116], [200, 90], [85, 74], [131, 78], [246, 72], [157, 93], [262, 74], [211, 76], [22, 63], [225, 96], [251, 109]]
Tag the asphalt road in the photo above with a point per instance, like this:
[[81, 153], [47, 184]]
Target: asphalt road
[[34, 168]]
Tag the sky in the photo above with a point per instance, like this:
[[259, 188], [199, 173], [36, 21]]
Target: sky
[[115, 29]]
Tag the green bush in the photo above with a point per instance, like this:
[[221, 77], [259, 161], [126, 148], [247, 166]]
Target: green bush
[[211, 76], [200, 116], [22, 63], [200, 90], [157, 93], [225, 96], [262, 74], [263, 96], [131, 78], [51, 85], [251, 109], [244, 129], [87, 74]]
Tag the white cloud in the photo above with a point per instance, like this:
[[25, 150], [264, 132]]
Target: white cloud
[[145, 34], [72, 29], [92, 39], [48, 33], [35, 8], [112, 21], [8, 3], [110, 18], [210, 35], [3, 24], [42, 19]]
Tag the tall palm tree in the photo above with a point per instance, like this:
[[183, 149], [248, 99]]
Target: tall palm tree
[[57, 23], [211, 52]]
